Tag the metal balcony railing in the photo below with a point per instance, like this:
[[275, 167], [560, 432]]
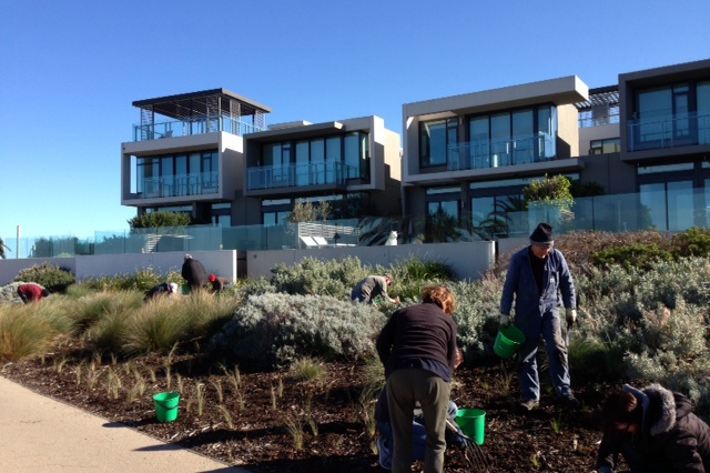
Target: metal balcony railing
[[181, 185], [668, 131], [198, 126], [299, 175], [485, 154]]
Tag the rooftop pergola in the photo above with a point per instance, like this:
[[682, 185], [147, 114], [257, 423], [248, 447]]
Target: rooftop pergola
[[200, 105]]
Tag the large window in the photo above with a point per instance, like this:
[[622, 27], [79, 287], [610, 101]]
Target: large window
[[317, 161], [508, 138], [670, 115], [435, 137], [173, 175], [674, 196], [612, 145]]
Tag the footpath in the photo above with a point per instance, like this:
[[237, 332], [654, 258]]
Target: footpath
[[41, 435]]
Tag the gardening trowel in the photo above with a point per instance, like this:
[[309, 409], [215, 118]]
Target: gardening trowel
[[568, 335]]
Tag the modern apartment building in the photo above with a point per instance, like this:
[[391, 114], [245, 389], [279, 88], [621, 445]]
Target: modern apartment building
[[665, 138], [210, 154], [469, 156], [644, 141], [354, 159]]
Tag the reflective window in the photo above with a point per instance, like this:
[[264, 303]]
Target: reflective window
[[435, 137], [612, 145], [703, 113], [514, 137]]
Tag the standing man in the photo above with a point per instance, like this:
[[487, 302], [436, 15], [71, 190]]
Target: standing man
[[194, 273], [31, 292], [373, 286], [417, 347], [536, 276]]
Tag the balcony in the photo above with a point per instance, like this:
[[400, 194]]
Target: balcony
[[179, 186], [198, 126], [670, 131], [486, 154], [332, 175]]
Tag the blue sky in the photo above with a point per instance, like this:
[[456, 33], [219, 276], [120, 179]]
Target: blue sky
[[71, 69]]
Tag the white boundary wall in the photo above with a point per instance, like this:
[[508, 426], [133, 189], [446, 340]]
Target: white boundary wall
[[468, 259], [223, 263]]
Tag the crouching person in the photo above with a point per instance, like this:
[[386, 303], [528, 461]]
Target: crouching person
[[655, 431], [385, 442], [163, 289]]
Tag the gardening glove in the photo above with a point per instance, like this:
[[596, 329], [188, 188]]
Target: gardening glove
[[504, 320], [571, 316]]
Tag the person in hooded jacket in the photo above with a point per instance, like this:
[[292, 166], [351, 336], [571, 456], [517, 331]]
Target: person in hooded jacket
[[655, 430], [194, 273], [536, 276], [162, 289]]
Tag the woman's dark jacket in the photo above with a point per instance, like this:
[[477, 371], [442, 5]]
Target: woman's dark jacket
[[671, 435]]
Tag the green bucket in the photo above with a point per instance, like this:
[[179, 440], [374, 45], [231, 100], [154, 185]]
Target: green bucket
[[166, 406], [473, 424], [508, 341], [186, 290]]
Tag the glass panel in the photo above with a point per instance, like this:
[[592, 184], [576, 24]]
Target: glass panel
[[681, 123], [181, 174], [482, 211], [269, 218], [680, 205], [478, 134], [364, 155], [437, 143], [333, 158], [547, 133], [523, 145], [168, 174], [655, 108], [704, 113], [318, 171], [653, 199], [500, 139], [664, 168], [351, 145], [302, 163]]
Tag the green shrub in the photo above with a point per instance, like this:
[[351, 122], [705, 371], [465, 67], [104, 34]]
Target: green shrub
[[160, 219], [53, 278], [273, 330], [143, 280], [692, 242], [639, 256], [157, 327], [23, 332]]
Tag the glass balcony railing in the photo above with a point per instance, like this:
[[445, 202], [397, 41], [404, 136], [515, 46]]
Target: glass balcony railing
[[198, 126], [299, 175], [181, 185], [485, 154], [669, 131]]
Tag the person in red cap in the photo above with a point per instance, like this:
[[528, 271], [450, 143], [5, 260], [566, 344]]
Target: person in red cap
[[218, 283], [31, 292]]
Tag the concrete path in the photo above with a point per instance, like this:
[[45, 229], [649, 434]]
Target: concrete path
[[41, 435]]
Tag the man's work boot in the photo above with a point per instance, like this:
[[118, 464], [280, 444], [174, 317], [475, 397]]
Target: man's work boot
[[530, 404], [571, 402]]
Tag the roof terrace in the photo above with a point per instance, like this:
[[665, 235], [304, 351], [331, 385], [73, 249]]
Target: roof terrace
[[197, 113]]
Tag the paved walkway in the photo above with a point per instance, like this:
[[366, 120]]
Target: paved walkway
[[41, 435]]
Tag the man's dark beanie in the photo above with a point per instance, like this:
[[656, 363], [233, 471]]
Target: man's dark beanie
[[542, 234]]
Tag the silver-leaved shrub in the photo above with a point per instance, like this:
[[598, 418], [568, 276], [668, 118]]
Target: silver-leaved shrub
[[275, 329]]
